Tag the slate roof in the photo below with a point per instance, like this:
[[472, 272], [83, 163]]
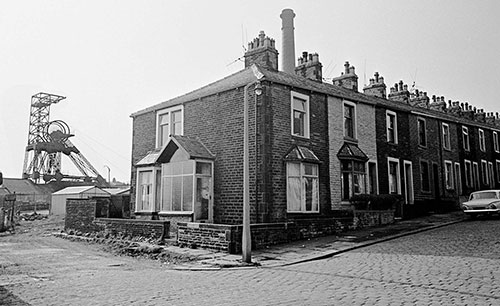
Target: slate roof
[[193, 147], [25, 186], [351, 151], [253, 73], [299, 153]]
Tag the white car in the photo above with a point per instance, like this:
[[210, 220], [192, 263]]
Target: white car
[[482, 202]]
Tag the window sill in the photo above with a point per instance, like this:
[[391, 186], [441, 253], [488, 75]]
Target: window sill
[[175, 213], [302, 212], [352, 140], [301, 137]]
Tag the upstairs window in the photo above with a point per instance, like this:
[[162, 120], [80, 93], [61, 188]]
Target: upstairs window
[[446, 136], [422, 132], [302, 187], [300, 115], [482, 143], [170, 121], [495, 142], [392, 127], [465, 138], [349, 120]]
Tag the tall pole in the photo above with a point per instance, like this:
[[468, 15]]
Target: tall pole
[[246, 240]]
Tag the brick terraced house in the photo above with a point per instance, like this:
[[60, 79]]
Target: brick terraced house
[[312, 145]]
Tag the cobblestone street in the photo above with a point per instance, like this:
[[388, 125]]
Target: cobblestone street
[[452, 265]]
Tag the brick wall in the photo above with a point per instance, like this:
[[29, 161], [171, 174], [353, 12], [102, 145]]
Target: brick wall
[[281, 141], [143, 141], [365, 126], [372, 218], [81, 216], [217, 121], [227, 238]]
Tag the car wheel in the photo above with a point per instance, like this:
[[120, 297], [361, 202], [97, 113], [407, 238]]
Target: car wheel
[[473, 216]]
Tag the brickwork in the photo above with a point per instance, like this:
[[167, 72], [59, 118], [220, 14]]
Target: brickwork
[[143, 141], [227, 238], [365, 139], [282, 141], [372, 218], [81, 216]]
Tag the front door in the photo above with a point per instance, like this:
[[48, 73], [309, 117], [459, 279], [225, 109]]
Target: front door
[[204, 207], [408, 174]]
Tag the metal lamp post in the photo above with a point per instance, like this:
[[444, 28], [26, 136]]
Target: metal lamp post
[[246, 241]]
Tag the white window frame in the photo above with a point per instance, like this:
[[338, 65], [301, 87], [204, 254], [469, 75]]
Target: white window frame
[[354, 119], [484, 172], [169, 111], [302, 175], [496, 145], [388, 115], [458, 178], [419, 119], [469, 179], [448, 174], [465, 138], [445, 129], [409, 196], [477, 177], [398, 174], [306, 116], [482, 141], [138, 196]]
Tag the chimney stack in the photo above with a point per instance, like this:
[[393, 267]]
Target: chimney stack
[[262, 51], [287, 29]]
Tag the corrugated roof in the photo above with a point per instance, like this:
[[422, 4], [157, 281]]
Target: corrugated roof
[[76, 190], [114, 191]]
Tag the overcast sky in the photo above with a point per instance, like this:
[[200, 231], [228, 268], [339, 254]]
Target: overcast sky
[[112, 58]]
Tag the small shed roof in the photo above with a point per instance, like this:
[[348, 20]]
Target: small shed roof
[[117, 191], [77, 190]]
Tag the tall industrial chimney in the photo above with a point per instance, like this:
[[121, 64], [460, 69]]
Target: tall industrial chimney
[[288, 59]]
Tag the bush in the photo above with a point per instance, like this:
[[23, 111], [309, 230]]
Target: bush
[[375, 201]]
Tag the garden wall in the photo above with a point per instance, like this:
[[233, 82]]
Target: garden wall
[[83, 215]]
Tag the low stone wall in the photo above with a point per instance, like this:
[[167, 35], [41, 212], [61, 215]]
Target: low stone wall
[[81, 216], [372, 218], [227, 238], [154, 229]]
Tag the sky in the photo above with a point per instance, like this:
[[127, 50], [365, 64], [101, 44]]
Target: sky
[[113, 58]]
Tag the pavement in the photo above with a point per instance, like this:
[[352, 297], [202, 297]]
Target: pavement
[[285, 254], [318, 248]]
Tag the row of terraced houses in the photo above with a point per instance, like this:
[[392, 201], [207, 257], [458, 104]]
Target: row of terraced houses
[[312, 145]]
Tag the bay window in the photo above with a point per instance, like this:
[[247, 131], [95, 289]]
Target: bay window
[[302, 187]]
